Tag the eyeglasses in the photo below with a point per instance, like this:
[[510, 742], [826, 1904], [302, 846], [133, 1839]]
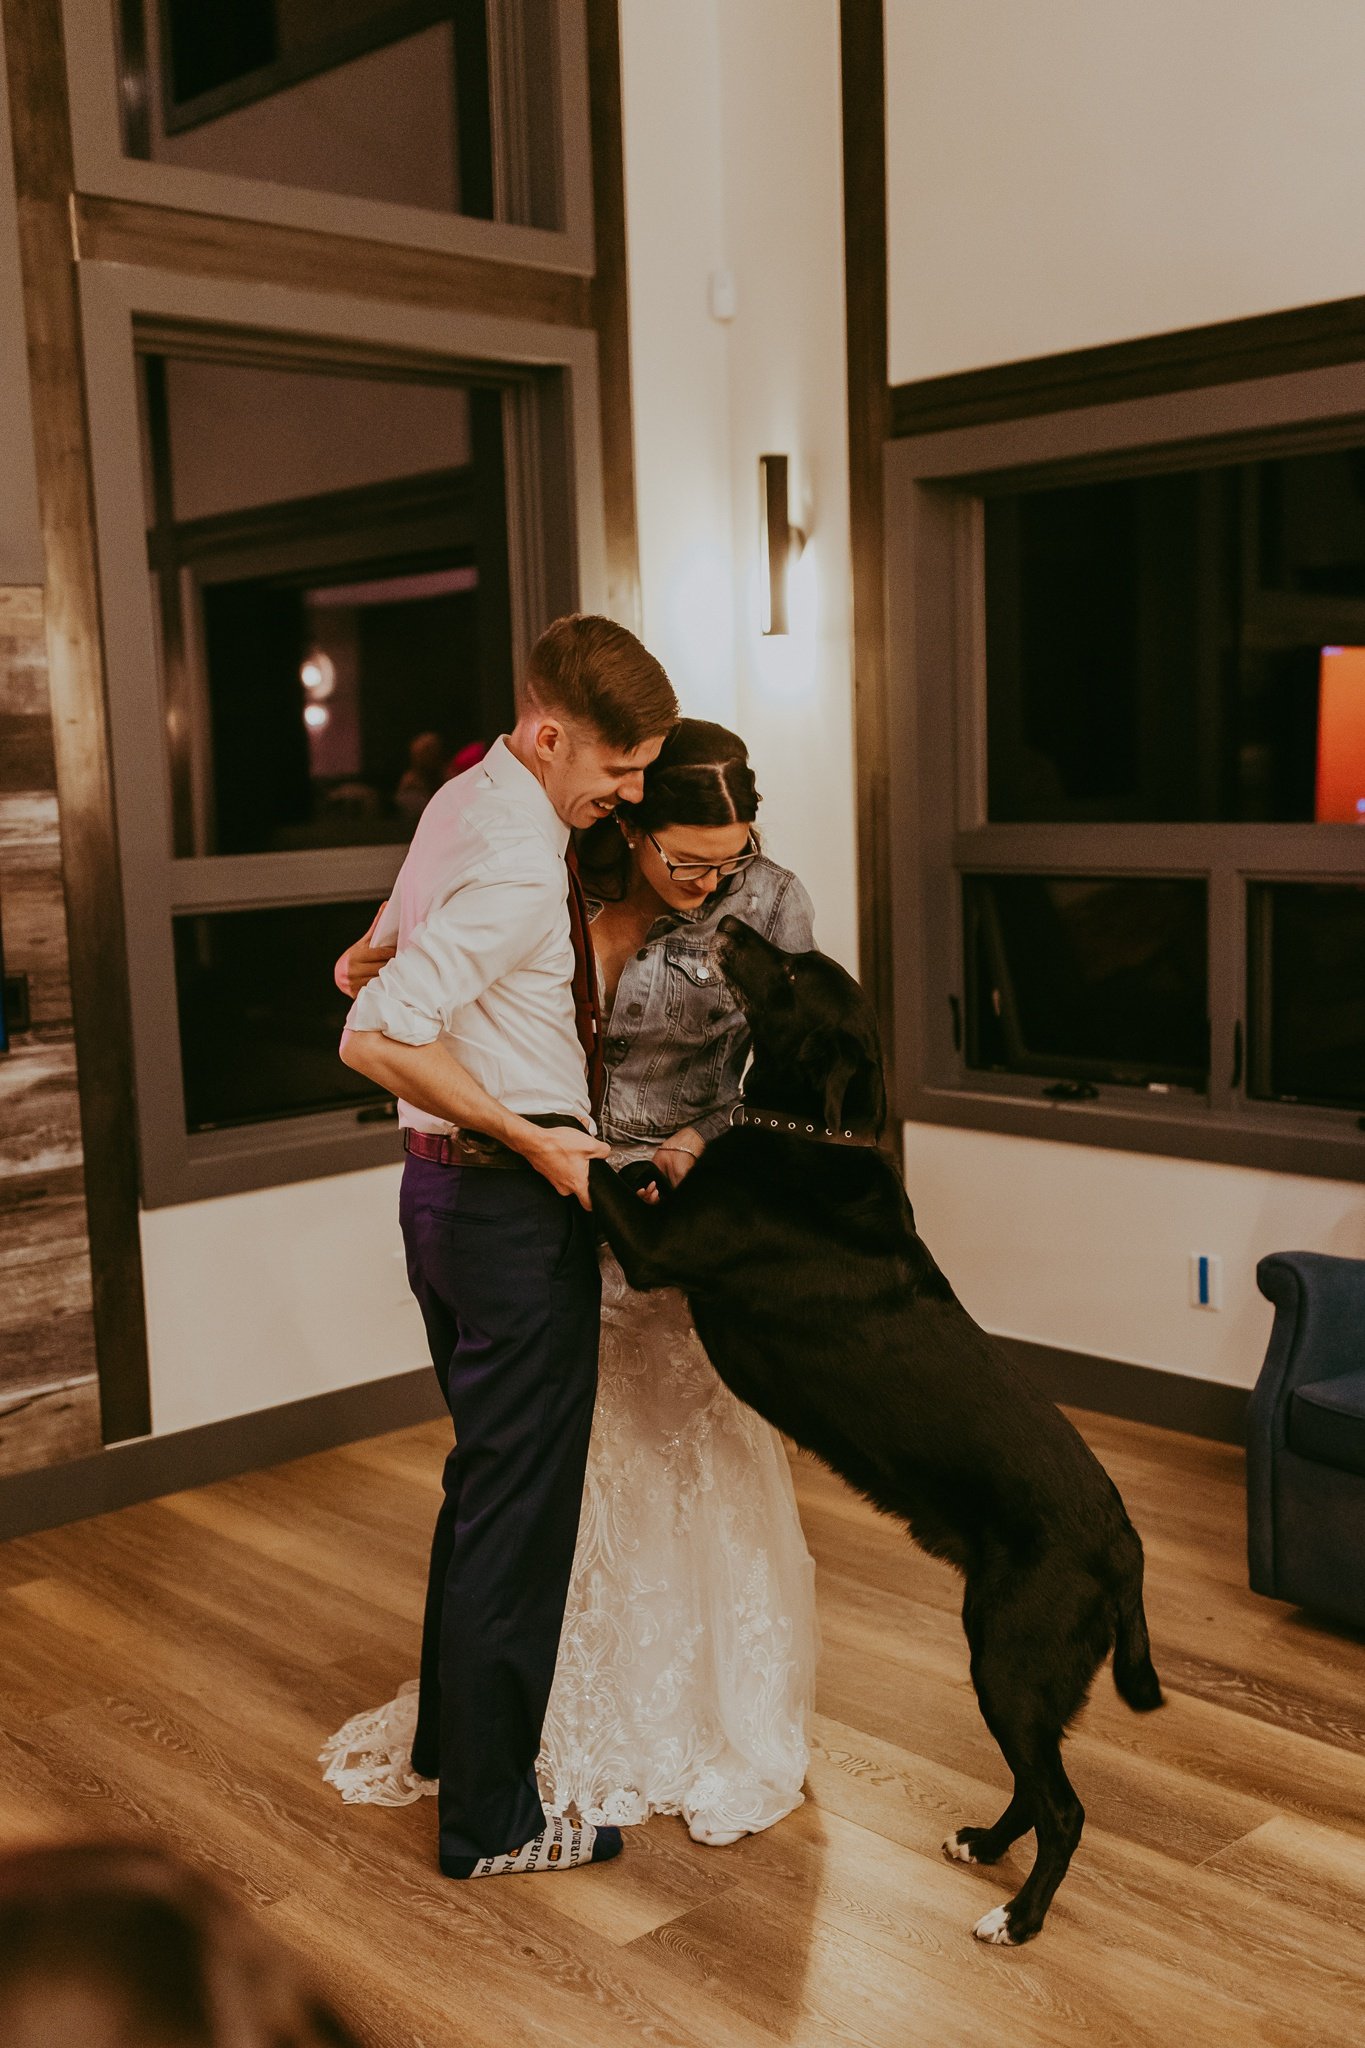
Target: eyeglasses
[[693, 870]]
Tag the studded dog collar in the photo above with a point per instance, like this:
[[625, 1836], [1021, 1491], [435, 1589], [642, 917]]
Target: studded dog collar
[[793, 1126]]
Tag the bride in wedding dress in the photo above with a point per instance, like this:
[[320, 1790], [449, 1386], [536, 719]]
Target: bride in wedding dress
[[686, 1670]]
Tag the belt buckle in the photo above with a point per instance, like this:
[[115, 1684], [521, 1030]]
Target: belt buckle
[[475, 1147]]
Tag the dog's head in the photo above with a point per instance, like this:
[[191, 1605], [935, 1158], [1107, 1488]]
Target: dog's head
[[817, 1051]]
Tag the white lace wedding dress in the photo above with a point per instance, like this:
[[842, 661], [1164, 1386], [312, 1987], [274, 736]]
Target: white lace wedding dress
[[686, 1668]]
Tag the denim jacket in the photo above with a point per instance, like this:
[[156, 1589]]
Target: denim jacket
[[675, 1044]]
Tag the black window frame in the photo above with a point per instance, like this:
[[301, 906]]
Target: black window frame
[[510, 157], [936, 483], [552, 456]]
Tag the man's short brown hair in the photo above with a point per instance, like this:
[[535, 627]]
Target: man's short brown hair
[[593, 671]]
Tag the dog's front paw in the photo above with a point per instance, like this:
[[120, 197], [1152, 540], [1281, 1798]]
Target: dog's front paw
[[958, 1847], [995, 1927]]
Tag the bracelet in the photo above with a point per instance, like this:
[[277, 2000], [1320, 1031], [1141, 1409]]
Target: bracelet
[[686, 1150]]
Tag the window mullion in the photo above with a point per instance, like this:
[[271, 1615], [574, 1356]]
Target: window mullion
[[240, 881], [1227, 984]]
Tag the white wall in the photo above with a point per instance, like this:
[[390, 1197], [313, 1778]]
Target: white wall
[[267, 1297], [732, 150], [1090, 1250], [1070, 172], [1060, 174], [670, 63], [782, 152]]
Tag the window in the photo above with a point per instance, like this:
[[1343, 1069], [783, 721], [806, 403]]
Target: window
[[1155, 645], [330, 555], [329, 559], [1129, 705], [324, 553], [1088, 978], [259, 1017], [1307, 971], [449, 106]]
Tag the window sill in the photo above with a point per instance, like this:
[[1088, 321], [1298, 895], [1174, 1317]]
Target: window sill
[[1324, 1144], [268, 1155]]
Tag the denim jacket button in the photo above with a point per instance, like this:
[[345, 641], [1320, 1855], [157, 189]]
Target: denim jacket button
[[643, 953]]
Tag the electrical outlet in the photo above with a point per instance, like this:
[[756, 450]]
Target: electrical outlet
[[1206, 1280]]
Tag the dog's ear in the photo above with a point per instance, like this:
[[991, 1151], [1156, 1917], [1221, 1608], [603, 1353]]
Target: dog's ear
[[848, 1062], [833, 1058]]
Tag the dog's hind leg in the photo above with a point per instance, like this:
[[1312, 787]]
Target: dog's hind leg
[[988, 1845], [1058, 1818], [1035, 1640]]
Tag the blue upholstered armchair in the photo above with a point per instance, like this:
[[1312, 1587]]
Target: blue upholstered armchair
[[1306, 1437]]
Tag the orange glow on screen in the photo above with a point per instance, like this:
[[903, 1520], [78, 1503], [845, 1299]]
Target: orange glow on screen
[[1341, 737]]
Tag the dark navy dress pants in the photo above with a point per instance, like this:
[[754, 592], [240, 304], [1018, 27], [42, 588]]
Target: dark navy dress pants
[[505, 1273]]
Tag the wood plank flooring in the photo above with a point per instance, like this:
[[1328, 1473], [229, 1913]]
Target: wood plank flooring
[[173, 1668]]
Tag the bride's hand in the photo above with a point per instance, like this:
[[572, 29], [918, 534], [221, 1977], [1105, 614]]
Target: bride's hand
[[676, 1157], [361, 962]]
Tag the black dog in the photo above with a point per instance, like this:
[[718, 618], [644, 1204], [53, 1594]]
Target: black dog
[[820, 1306]]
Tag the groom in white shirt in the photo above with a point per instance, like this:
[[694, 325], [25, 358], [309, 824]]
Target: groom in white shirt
[[485, 1026]]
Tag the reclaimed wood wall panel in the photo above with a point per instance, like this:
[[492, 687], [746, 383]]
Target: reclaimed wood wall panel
[[49, 1396]]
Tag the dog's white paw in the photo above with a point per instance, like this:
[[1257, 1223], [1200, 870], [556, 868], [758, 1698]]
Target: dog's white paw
[[957, 1851], [995, 1926]]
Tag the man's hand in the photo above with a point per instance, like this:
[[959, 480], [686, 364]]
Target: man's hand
[[431, 1079], [676, 1157], [562, 1154], [361, 962]]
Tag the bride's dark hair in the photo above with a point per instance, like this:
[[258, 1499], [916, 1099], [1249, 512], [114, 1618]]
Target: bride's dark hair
[[701, 776]]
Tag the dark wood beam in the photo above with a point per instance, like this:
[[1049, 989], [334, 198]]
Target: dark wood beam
[[864, 135], [257, 252], [94, 906], [1188, 359]]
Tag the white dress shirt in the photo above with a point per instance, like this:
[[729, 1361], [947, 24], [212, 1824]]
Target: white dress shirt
[[485, 960]]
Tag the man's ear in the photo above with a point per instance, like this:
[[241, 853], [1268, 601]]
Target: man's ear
[[550, 738]]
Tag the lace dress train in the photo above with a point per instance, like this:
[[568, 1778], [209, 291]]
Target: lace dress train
[[686, 1671]]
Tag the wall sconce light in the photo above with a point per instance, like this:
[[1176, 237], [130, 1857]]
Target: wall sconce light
[[780, 543]]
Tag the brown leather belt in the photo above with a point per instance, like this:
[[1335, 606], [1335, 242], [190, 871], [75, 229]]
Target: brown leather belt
[[472, 1148]]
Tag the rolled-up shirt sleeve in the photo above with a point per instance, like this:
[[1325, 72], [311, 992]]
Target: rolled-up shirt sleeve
[[487, 926]]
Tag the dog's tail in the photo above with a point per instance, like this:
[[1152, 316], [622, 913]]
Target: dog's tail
[[1134, 1672]]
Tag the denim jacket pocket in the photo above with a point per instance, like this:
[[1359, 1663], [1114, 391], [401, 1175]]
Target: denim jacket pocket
[[702, 1018], [695, 993]]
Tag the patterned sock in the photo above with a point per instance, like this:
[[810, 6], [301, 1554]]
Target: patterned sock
[[561, 1845]]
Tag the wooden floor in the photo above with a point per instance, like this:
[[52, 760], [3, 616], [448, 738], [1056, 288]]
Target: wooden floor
[[174, 1667]]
